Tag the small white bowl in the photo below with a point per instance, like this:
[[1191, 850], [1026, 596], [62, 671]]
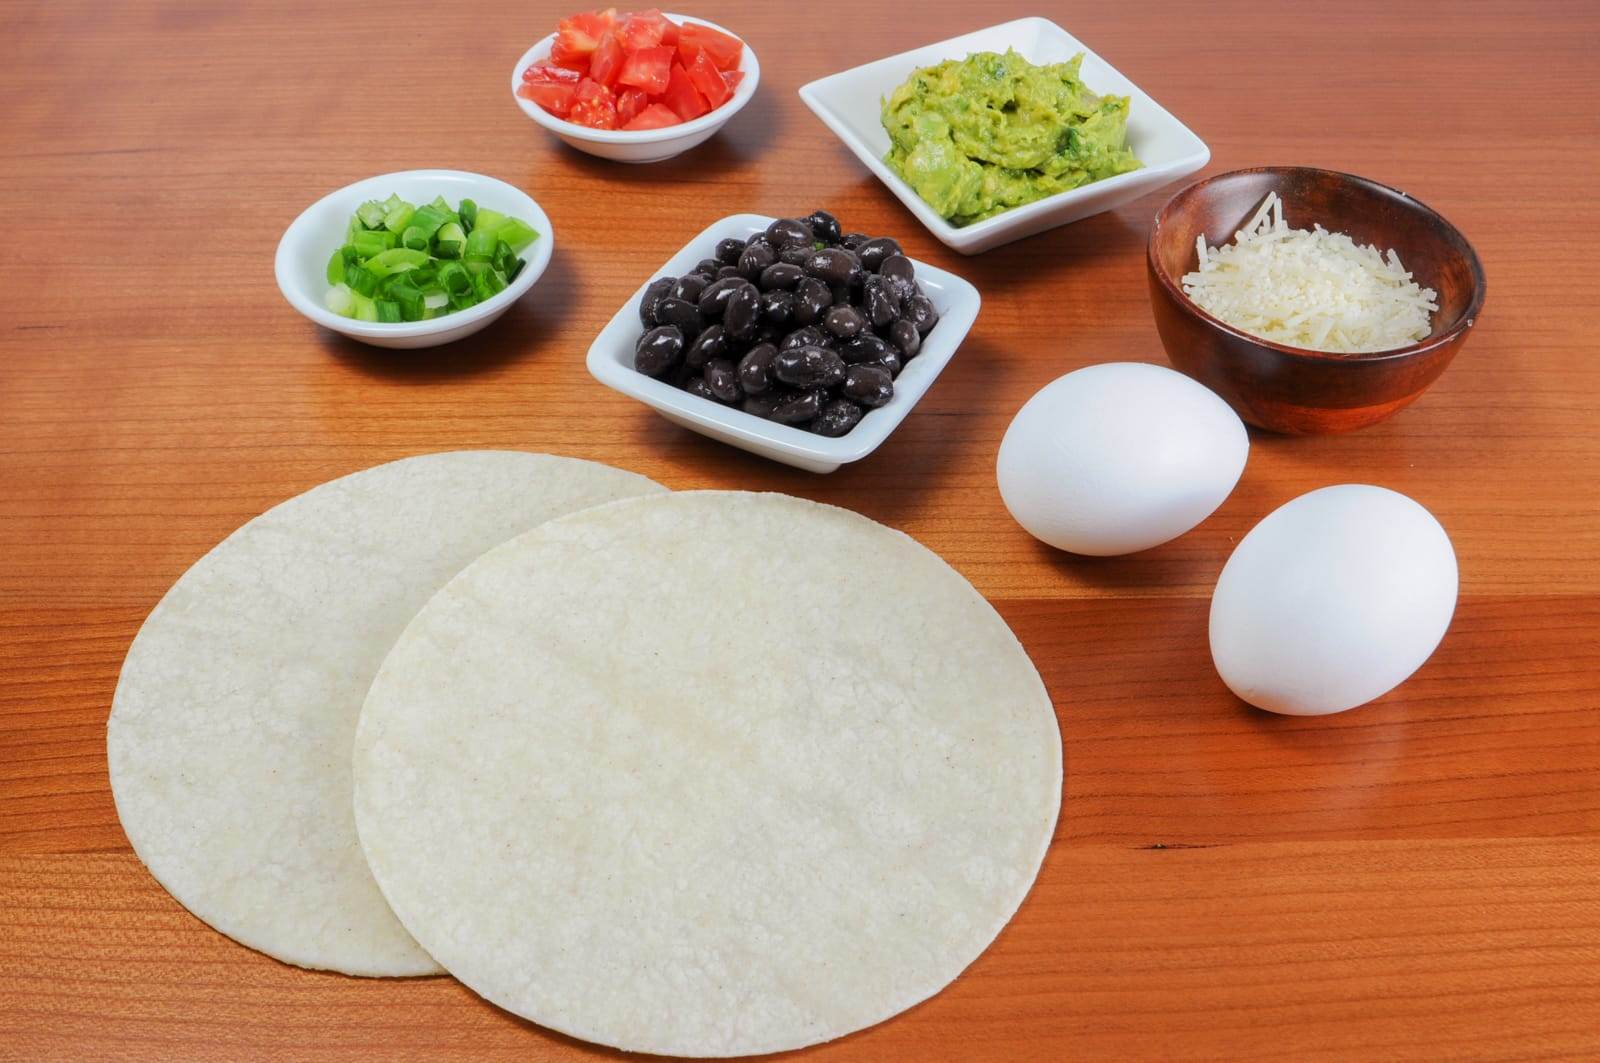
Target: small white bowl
[[310, 240], [611, 362], [643, 145], [850, 104]]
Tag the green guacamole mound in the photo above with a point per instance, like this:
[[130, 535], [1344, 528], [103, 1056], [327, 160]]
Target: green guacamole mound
[[983, 134]]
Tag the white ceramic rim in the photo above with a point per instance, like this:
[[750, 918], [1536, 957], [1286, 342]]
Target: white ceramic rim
[[537, 258], [711, 120], [969, 234], [961, 302]]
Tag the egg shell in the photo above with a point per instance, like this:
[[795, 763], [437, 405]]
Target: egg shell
[[1334, 599], [1119, 457]]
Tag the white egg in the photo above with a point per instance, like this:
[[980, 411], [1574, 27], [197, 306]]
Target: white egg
[[1119, 457], [1334, 599]]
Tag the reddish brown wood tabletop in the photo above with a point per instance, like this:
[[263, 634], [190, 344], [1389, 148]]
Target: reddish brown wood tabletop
[[1419, 878]]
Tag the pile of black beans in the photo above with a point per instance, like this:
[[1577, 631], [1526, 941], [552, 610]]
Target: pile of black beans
[[801, 324]]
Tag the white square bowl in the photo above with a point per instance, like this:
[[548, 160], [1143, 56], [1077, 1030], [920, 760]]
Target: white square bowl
[[611, 362], [850, 104]]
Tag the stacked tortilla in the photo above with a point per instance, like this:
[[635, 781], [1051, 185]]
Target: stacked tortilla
[[705, 774]]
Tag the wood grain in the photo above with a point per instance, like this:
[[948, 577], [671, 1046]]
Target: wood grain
[[1417, 879]]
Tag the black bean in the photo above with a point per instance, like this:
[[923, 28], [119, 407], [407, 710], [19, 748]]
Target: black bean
[[769, 333], [708, 266], [844, 321], [790, 232], [837, 418], [809, 336], [842, 295], [714, 298], [689, 287], [696, 385], [899, 268], [727, 271], [863, 348], [755, 260], [658, 350], [681, 313], [874, 251], [657, 290], [781, 275], [810, 300], [805, 367], [920, 312], [870, 385], [891, 361], [722, 377], [777, 307], [903, 334], [798, 409], [729, 250], [795, 255], [824, 226], [853, 240], [881, 308], [742, 312], [832, 265], [755, 368], [712, 343], [763, 405]]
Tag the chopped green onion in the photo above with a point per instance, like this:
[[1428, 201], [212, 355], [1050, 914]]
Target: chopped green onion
[[454, 279], [480, 245], [469, 215], [371, 213], [451, 230], [488, 220], [366, 309], [372, 242], [448, 248], [398, 218], [396, 259], [336, 269], [519, 234], [363, 280], [389, 311], [511, 274], [414, 238], [341, 300], [443, 204], [429, 218]]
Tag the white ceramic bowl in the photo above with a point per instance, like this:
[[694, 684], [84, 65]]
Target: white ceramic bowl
[[611, 362], [644, 145], [303, 253], [850, 104]]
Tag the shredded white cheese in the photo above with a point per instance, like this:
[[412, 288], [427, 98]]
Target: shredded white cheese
[[1312, 289]]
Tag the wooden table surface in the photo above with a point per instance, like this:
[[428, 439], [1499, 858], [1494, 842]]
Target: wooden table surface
[[1416, 879]]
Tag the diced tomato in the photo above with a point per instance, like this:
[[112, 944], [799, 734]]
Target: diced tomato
[[682, 97], [554, 96], [694, 38], [630, 102], [669, 35], [648, 69], [654, 116], [557, 74], [643, 29], [594, 106], [606, 62], [708, 79], [731, 78], [578, 35]]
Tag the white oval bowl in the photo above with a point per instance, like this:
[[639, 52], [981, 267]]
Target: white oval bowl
[[302, 260], [643, 145]]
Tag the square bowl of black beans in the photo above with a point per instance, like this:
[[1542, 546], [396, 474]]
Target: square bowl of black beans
[[787, 337]]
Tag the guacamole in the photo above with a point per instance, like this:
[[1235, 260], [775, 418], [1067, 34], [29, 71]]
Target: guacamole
[[983, 134]]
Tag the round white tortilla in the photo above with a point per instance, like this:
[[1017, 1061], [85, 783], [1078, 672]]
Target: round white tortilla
[[230, 733], [707, 774]]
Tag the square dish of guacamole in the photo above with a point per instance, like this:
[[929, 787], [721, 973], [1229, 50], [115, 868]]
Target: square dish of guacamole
[[980, 135]]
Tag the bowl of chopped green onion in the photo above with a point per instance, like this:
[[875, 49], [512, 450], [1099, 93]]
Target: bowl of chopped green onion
[[414, 259]]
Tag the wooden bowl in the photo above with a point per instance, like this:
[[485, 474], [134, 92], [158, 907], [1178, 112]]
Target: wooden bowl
[[1290, 389]]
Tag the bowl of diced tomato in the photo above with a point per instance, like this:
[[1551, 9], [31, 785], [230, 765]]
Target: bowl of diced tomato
[[637, 87]]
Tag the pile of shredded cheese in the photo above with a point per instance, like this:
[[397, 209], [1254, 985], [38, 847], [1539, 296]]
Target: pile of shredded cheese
[[1312, 289]]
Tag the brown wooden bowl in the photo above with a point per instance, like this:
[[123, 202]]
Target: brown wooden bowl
[[1290, 389]]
